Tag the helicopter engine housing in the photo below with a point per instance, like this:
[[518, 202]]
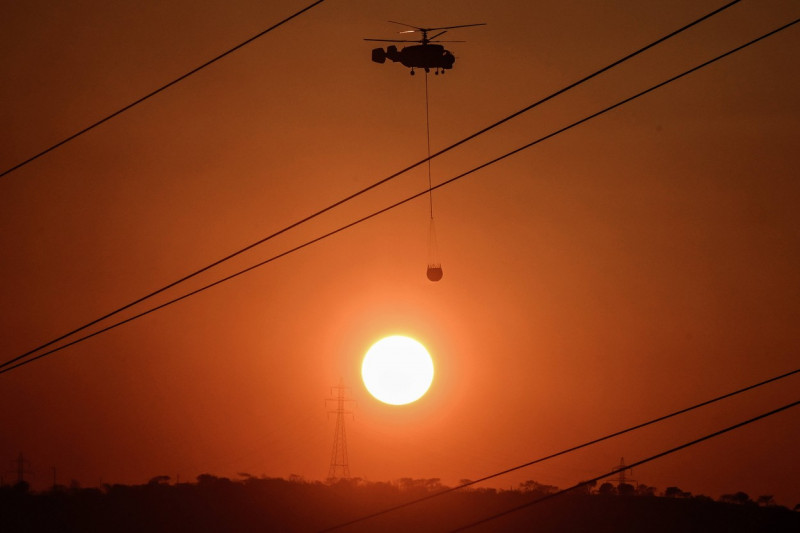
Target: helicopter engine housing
[[392, 53], [378, 55]]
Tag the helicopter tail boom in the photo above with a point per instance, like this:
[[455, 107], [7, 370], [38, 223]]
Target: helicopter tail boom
[[379, 55]]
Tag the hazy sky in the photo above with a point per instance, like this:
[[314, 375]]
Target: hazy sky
[[640, 263]]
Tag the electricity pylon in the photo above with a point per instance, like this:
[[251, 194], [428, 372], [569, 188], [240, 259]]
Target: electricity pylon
[[21, 469], [622, 478], [340, 468]]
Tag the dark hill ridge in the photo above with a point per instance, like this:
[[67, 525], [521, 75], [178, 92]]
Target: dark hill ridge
[[269, 504]]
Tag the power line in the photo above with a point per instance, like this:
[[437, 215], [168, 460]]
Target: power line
[[160, 89], [401, 202], [364, 190], [636, 464], [566, 451]]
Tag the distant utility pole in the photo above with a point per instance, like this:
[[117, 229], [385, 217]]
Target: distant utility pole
[[339, 469]]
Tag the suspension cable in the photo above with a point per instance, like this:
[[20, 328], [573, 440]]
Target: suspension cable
[[160, 89], [390, 207], [428, 132], [627, 467], [368, 188], [567, 451]]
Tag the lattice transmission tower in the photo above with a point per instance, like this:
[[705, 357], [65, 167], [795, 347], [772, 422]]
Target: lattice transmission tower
[[22, 467], [340, 468], [622, 477]]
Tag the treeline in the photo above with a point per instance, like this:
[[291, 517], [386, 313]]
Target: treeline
[[213, 504]]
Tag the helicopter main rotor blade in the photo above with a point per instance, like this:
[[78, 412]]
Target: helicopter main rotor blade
[[452, 27], [437, 35], [444, 41], [392, 40], [420, 28], [408, 25]]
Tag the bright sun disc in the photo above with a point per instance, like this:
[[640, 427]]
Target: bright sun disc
[[397, 370]]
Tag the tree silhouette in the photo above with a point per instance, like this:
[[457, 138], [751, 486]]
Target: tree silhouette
[[765, 500], [586, 487], [607, 489], [645, 490], [214, 504], [739, 498], [675, 492], [539, 488], [626, 489]]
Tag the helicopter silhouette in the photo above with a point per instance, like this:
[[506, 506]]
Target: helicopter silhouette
[[425, 55]]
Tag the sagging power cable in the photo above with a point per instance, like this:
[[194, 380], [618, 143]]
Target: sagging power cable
[[358, 193], [563, 452], [160, 89], [626, 467], [404, 201]]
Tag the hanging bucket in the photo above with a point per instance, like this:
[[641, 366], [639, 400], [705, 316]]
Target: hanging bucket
[[435, 272]]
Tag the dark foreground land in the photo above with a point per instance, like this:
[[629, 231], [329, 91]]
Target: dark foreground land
[[267, 504]]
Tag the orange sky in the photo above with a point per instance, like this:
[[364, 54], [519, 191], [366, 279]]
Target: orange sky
[[638, 264]]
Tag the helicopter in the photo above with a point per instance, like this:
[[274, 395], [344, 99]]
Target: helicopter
[[425, 55]]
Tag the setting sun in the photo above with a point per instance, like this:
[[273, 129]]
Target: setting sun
[[397, 370]]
